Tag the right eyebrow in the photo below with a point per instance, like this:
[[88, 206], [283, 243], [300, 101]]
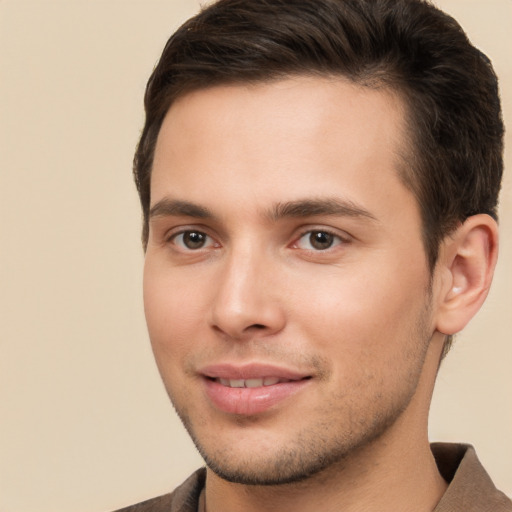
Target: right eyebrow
[[174, 207]]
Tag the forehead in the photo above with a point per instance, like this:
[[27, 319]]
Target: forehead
[[283, 138]]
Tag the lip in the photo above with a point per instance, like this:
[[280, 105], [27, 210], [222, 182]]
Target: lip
[[250, 371], [250, 400]]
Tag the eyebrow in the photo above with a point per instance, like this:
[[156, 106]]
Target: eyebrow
[[324, 206], [298, 208], [175, 207]]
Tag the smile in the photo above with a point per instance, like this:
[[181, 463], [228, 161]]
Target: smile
[[251, 389], [251, 383]]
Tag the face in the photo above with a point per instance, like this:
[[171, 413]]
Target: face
[[286, 286]]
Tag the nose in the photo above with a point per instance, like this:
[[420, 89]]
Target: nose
[[247, 302]]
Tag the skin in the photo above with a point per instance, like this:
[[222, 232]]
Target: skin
[[242, 177]]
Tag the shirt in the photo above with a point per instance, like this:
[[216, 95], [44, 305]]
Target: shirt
[[470, 488]]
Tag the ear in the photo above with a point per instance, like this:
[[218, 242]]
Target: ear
[[465, 269]]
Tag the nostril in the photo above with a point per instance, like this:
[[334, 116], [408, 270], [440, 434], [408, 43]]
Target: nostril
[[257, 326]]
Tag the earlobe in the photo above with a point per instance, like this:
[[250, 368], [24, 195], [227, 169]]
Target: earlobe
[[467, 259]]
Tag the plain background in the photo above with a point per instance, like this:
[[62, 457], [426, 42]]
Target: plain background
[[84, 422]]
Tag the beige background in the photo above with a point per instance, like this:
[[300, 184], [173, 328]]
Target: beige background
[[84, 422]]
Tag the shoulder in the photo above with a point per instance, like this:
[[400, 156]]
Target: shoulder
[[183, 499], [470, 487]]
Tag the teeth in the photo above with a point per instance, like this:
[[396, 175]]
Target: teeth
[[251, 383], [254, 383]]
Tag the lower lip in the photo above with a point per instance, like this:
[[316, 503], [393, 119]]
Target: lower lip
[[249, 401]]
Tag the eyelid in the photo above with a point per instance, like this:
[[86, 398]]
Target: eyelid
[[343, 235], [183, 228]]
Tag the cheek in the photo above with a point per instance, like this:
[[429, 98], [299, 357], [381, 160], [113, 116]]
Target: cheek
[[367, 312], [372, 337], [171, 310]]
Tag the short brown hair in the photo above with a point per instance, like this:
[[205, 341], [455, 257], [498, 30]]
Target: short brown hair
[[449, 86]]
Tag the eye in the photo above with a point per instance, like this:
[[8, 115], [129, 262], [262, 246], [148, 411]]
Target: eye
[[192, 240], [318, 240]]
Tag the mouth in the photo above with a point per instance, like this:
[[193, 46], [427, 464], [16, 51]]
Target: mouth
[[251, 389], [253, 383]]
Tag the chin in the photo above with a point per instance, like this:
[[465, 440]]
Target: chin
[[282, 468], [308, 456]]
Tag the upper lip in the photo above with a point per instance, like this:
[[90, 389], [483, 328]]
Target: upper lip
[[250, 371]]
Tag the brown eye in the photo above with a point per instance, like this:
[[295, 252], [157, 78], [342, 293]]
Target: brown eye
[[318, 240], [192, 240], [321, 240]]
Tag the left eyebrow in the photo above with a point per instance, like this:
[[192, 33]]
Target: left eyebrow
[[315, 207]]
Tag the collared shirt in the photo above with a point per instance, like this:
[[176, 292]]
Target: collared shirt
[[470, 488]]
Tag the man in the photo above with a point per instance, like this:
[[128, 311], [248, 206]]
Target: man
[[319, 181]]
